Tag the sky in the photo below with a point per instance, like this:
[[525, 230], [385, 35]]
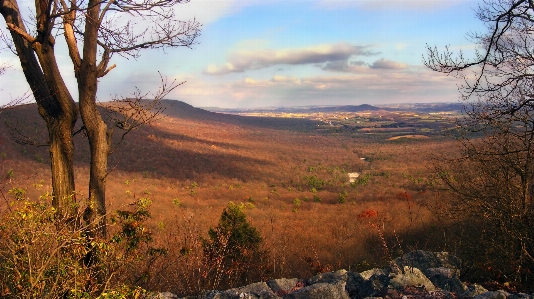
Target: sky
[[270, 53]]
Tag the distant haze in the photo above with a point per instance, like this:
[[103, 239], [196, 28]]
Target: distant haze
[[257, 53]]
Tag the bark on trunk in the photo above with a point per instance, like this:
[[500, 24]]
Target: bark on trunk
[[55, 105], [97, 130]]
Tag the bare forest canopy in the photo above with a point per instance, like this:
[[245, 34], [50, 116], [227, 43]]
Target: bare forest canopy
[[289, 172]]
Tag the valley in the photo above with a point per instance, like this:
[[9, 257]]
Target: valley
[[289, 172]]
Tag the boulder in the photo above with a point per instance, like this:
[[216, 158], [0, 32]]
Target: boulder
[[259, 290], [410, 277], [424, 260], [236, 295], [441, 272], [162, 295], [282, 284], [354, 284], [446, 279], [473, 291], [493, 295], [375, 286], [367, 274], [320, 291], [329, 277]]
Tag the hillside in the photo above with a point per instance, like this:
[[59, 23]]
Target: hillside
[[291, 176], [178, 109]]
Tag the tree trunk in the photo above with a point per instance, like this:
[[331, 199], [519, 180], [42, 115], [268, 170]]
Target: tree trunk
[[97, 130], [55, 105]]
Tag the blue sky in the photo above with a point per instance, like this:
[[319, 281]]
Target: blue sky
[[258, 53]]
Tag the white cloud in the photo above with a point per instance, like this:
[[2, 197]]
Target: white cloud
[[388, 64], [240, 61], [412, 84], [359, 67], [285, 79]]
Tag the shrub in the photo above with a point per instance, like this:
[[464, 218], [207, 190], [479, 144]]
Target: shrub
[[46, 256], [233, 248], [314, 182]]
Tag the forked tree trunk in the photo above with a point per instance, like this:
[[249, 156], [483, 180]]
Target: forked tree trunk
[[97, 130], [55, 105], [97, 133]]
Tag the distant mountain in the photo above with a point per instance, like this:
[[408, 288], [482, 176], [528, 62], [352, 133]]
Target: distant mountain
[[425, 107], [300, 109], [180, 109]]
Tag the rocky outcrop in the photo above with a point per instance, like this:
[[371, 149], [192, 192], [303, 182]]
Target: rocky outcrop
[[418, 274]]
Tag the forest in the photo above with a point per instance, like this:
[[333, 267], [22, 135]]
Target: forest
[[171, 181]]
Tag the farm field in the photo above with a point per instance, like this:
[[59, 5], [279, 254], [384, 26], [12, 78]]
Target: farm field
[[290, 172]]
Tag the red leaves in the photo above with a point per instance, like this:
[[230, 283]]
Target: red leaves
[[368, 214]]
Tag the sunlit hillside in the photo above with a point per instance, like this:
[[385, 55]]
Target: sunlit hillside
[[291, 175]]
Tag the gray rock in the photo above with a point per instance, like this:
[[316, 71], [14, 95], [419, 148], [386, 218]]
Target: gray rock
[[493, 295], [410, 277], [473, 291], [367, 274], [375, 286], [442, 272], [446, 279], [423, 260], [354, 284], [255, 288], [209, 295], [162, 295], [282, 284], [259, 290], [452, 285], [232, 294], [320, 291], [329, 277]]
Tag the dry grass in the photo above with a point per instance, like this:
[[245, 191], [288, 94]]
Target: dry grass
[[192, 167]]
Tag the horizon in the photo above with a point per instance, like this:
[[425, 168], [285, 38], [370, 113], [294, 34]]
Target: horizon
[[254, 53], [277, 107]]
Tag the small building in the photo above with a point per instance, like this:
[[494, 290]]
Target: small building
[[353, 176]]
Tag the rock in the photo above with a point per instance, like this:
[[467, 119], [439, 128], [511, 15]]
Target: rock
[[282, 284], [238, 295], [375, 286], [367, 274], [403, 280], [446, 279], [163, 295], [423, 260], [329, 277], [255, 288], [354, 284], [259, 290], [473, 291], [320, 291], [442, 272], [411, 277], [493, 295]]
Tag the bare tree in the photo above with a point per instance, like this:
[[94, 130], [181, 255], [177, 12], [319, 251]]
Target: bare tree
[[494, 179], [55, 103], [103, 28]]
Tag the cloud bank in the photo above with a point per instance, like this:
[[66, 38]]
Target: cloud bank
[[362, 67], [240, 61], [375, 86]]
